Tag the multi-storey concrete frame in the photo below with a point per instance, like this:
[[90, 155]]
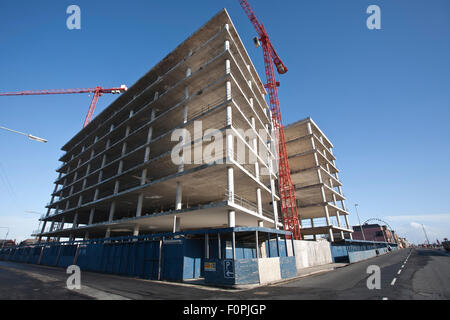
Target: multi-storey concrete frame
[[118, 177], [316, 178]]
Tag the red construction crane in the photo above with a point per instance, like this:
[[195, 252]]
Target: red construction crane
[[271, 58], [98, 92]]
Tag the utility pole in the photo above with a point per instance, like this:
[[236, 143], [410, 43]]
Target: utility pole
[[359, 221]]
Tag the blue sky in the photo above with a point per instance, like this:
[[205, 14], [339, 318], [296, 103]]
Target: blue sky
[[382, 96]]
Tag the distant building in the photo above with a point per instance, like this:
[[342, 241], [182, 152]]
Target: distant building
[[374, 232], [7, 243], [28, 242], [403, 243]]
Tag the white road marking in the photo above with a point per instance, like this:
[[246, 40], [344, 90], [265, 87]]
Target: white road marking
[[393, 281], [385, 298], [399, 271], [403, 266]]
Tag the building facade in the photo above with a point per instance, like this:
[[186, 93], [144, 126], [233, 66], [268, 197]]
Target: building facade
[[186, 147], [375, 232]]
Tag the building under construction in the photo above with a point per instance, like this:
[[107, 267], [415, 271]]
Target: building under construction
[[118, 176], [318, 189], [177, 179]]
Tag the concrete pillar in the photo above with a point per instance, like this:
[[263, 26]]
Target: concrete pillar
[[227, 45], [338, 218], [229, 116], [91, 216], [120, 169], [97, 191], [188, 72], [185, 114], [147, 154], [230, 147], [227, 67], [230, 184], [261, 223], [257, 175], [228, 91], [330, 231], [104, 160], [231, 219], [312, 226], [347, 223], [75, 220], [176, 224], [86, 235], [149, 134], [108, 232], [179, 197], [140, 204], [112, 210], [116, 186], [144, 177], [259, 201], [275, 213]]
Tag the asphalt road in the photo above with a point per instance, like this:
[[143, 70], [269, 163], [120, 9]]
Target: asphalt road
[[405, 274]]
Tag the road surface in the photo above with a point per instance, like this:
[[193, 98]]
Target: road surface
[[405, 274]]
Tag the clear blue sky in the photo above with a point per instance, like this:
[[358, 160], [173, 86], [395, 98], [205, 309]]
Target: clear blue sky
[[382, 97]]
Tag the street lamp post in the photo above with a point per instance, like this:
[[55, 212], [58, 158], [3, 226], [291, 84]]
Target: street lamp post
[[360, 225], [30, 136]]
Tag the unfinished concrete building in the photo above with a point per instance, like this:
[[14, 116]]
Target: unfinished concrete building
[[318, 189], [118, 177]]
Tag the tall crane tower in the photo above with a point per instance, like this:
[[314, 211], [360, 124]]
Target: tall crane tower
[[97, 91], [271, 58]]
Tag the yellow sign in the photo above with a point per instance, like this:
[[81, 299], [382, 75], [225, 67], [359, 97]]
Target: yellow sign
[[210, 266]]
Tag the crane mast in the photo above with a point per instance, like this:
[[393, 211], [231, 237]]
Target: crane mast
[[97, 91], [286, 187]]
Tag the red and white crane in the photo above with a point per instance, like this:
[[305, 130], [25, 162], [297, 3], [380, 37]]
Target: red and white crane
[[271, 58], [97, 91]]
